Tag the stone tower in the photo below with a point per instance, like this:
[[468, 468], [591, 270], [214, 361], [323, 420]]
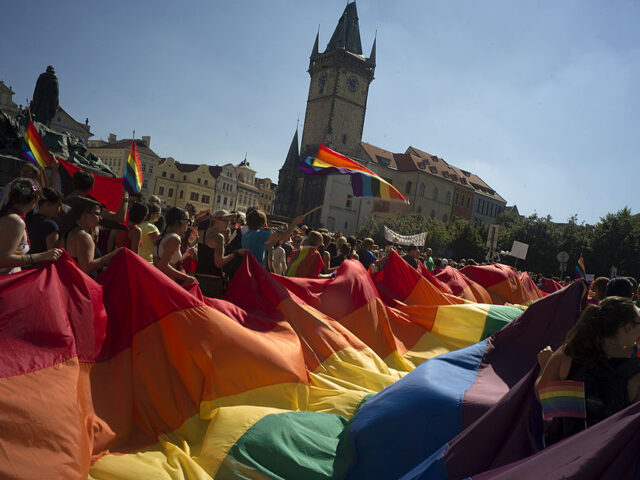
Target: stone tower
[[336, 106]]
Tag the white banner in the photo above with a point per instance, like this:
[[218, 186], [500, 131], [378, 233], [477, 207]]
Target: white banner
[[417, 240]]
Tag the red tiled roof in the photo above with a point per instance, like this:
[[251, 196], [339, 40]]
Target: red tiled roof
[[186, 167]]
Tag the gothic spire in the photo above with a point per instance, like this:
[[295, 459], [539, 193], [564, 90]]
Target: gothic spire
[[372, 55], [346, 36], [293, 156], [314, 52]]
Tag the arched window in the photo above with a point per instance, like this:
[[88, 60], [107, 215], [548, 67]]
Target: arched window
[[447, 199], [444, 218], [433, 214], [407, 189], [435, 193], [421, 190], [419, 210], [468, 201]]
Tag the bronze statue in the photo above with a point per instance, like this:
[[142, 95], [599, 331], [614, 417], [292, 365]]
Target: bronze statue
[[45, 97]]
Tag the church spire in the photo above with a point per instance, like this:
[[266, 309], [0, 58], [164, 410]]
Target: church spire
[[372, 55], [314, 52], [293, 156], [346, 36]]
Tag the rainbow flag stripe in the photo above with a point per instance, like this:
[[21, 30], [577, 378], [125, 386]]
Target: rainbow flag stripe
[[132, 179], [563, 399], [307, 264], [203, 216], [40, 154], [580, 269], [365, 182]]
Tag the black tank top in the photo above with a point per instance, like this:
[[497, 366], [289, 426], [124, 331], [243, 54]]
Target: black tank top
[[605, 392], [206, 264]]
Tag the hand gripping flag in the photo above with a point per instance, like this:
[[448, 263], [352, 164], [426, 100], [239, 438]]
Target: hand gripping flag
[[132, 179], [365, 183]]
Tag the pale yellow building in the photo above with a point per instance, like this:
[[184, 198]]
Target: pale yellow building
[[266, 194], [248, 193], [180, 183], [114, 153]]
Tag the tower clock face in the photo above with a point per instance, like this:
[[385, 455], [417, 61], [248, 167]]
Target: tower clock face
[[352, 84], [322, 79]]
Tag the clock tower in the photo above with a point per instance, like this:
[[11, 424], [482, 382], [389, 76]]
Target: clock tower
[[336, 106]]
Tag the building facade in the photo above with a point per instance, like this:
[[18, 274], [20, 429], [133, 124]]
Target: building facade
[[7, 105], [115, 153], [180, 183], [63, 122], [226, 188], [248, 193], [266, 194]]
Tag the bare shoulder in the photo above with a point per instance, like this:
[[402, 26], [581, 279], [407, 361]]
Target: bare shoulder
[[11, 221], [557, 368]]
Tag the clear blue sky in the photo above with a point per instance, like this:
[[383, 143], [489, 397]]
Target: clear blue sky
[[539, 98]]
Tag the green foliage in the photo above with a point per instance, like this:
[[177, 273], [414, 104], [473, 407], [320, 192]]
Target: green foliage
[[613, 241]]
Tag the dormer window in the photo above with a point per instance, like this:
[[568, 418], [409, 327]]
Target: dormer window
[[433, 169]]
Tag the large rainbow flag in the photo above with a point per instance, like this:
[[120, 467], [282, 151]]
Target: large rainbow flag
[[365, 183], [132, 179], [132, 376]]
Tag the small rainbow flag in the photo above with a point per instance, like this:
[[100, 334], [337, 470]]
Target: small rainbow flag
[[201, 217], [580, 270], [40, 155], [132, 179], [563, 398], [365, 183]]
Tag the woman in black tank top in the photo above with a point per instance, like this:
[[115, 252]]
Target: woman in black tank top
[[211, 257], [597, 353]]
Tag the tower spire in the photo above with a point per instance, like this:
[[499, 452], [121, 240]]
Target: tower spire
[[314, 52], [372, 55], [346, 36]]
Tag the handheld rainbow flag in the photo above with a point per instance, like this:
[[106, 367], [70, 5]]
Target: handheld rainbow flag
[[40, 155], [365, 183], [564, 398], [132, 179], [201, 217], [580, 270]]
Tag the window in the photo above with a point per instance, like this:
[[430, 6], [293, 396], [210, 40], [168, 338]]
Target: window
[[181, 194], [407, 189], [422, 190], [433, 214], [184, 178], [344, 138], [224, 201], [150, 169], [468, 202], [206, 182], [144, 167], [144, 184], [218, 200], [199, 179], [172, 176], [194, 196], [171, 192], [419, 209], [435, 193], [349, 201], [161, 190], [205, 199], [447, 199], [444, 218], [457, 198]]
